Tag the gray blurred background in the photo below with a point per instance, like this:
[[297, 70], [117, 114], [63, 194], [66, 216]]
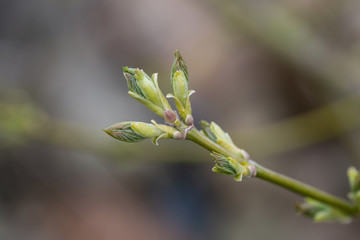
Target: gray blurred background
[[281, 76]]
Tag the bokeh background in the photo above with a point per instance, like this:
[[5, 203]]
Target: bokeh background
[[281, 76]]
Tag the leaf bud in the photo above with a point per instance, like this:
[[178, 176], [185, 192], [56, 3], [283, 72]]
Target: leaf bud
[[122, 131], [138, 131], [228, 166], [180, 86], [322, 212], [354, 179], [189, 120], [146, 90]]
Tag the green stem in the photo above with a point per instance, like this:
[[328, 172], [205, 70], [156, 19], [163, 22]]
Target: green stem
[[277, 178], [195, 136], [304, 189]]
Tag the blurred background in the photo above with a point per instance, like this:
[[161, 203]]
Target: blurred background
[[281, 76]]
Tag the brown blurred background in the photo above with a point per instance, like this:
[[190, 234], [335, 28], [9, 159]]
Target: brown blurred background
[[281, 76]]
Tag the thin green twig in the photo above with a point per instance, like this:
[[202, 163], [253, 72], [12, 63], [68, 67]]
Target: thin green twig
[[277, 178]]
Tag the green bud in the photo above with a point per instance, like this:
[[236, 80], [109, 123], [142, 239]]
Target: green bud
[[180, 86], [123, 132], [354, 179], [321, 212], [147, 86], [138, 131], [146, 90]]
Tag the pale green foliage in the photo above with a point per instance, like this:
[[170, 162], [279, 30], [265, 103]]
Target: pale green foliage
[[321, 212]]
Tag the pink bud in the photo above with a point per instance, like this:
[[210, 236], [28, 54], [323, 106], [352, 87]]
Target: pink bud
[[170, 116], [178, 135], [189, 120]]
